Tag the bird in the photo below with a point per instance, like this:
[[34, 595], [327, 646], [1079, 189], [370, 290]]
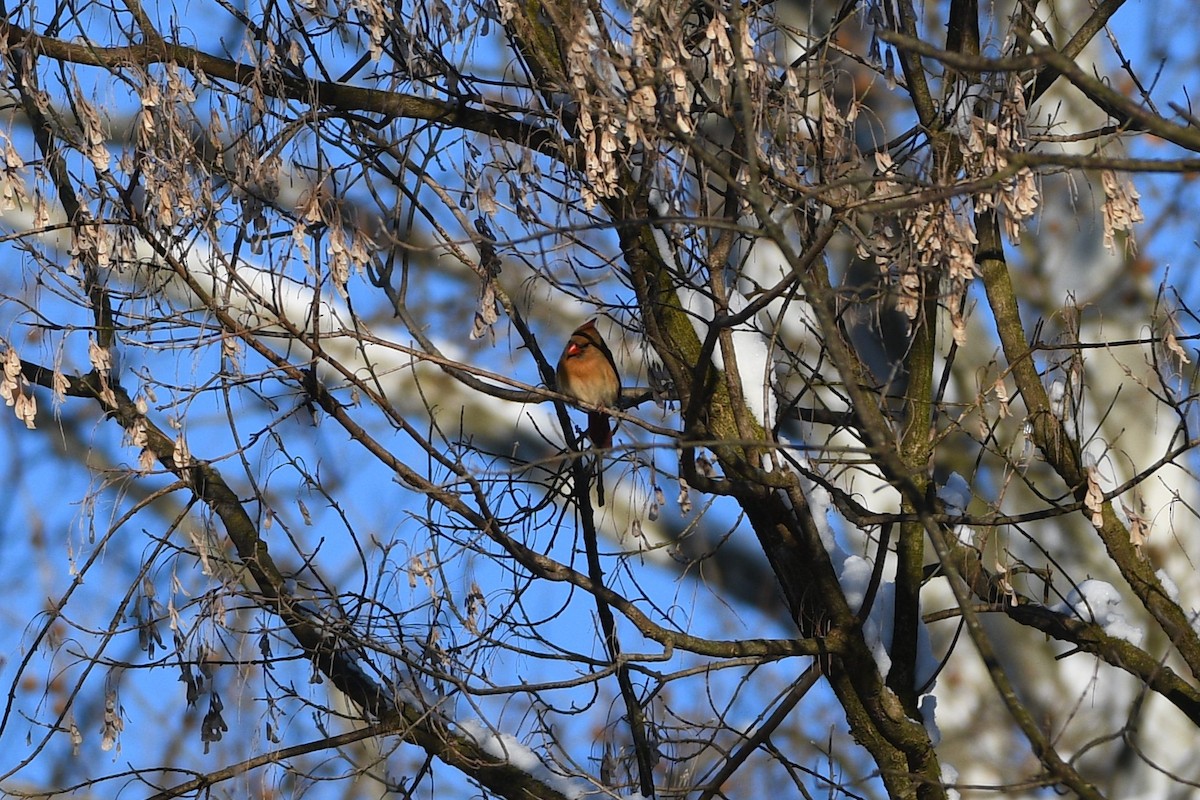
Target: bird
[[588, 373]]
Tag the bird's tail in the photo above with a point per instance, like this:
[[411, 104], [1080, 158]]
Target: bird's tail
[[599, 431]]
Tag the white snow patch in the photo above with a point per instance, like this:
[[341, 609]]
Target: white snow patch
[[956, 494], [510, 750], [1098, 601], [855, 577], [854, 573], [1056, 394], [1168, 586], [929, 714], [949, 776]]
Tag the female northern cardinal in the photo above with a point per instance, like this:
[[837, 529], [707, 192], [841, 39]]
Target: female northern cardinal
[[588, 373]]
